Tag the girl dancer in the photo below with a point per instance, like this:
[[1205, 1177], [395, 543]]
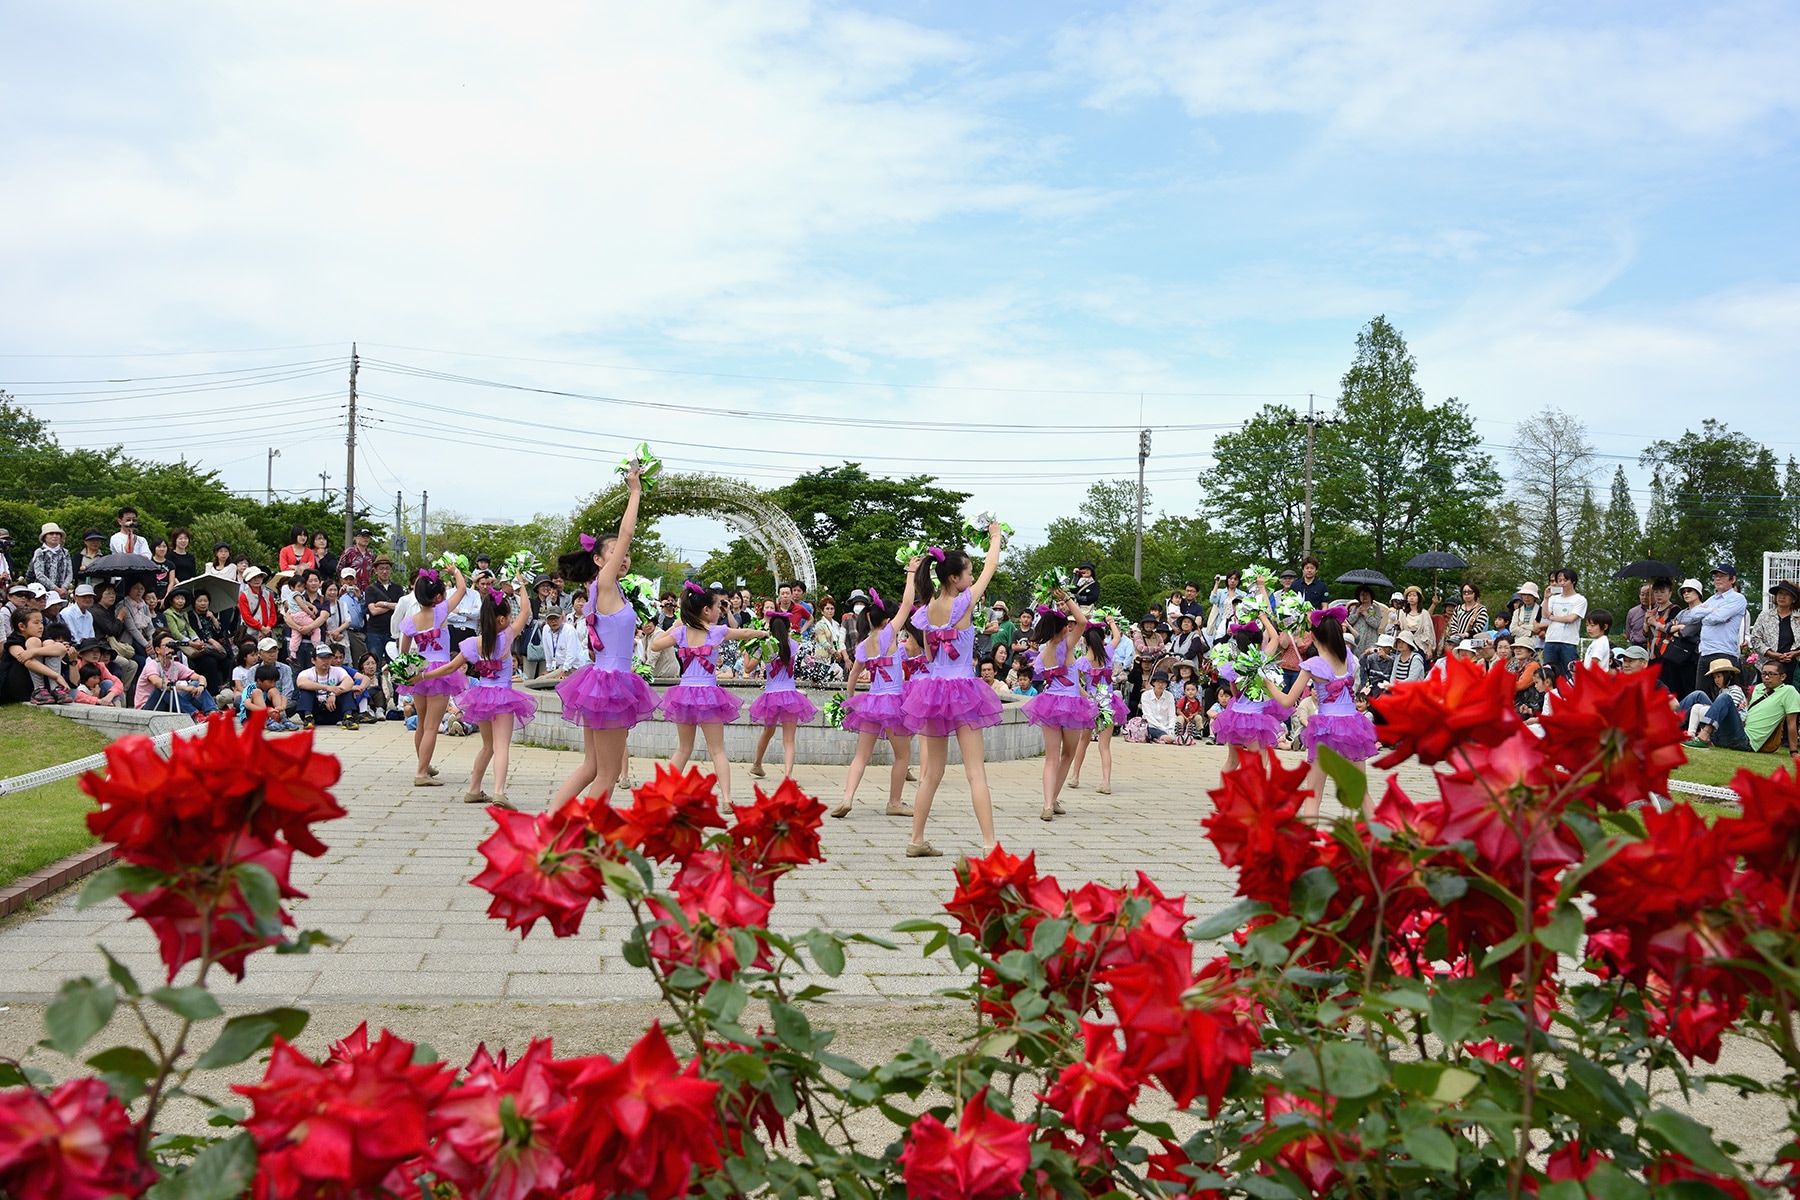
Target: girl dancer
[[1060, 710], [880, 714], [950, 701], [1251, 719], [781, 702], [1337, 723], [698, 701], [1096, 667], [605, 697], [490, 702], [423, 631]]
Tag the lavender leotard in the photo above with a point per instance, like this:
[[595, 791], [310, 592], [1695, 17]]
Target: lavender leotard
[[698, 699], [1060, 705], [949, 697], [490, 683], [607, 693], [1337, 723], [1097, 677], [880, 710], [434, 645], [781, 700]]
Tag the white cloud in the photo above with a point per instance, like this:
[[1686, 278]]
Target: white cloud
[[1464, 76]]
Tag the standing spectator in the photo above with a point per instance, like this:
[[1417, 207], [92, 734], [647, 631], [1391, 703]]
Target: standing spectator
[[1227, 590], [6, 567], [1310, 585], [181, 554], [828, 635], [297, 555], [128, 540], [380, 599], [345, 628], [1191, 605], [1087, 588], [93, 545], [1468, 618], [1720, 618], [323, 559], [50, 564], [359, 558], [222, 564], [303, 612], [1599, 650], [1637, 618], [1413, 617], [1526, 608], [1560, 623], [256, 606], [562, 647], [1368, 620], [1773, 638], [167, 684], [165, 570]]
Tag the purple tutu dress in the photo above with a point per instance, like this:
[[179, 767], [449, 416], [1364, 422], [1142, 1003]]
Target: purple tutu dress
[[698, 699], [434, 645], [1249, 724], [880, 710], [607, 693], [1060, 705], [1102, 676], [490, 689], [781, 700], [949, 697], [1337, 723]]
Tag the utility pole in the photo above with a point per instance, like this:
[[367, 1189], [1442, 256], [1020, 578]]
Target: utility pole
[[350, 457], [1313, 421], [424, 512], [323, 476], [269, 485], [1137, 556], [399, 542]]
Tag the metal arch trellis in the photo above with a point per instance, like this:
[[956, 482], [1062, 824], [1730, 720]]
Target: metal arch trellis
[[762, 522]]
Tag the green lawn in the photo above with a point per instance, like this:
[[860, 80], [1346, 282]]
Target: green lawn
[[1717, 767], [42, 824]]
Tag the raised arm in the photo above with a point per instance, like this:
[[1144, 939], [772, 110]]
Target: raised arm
[[462, 587], [615, 558], [908, 596], [988, 567], [524, 607]]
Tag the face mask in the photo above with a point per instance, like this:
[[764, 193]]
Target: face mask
[[857, 608]]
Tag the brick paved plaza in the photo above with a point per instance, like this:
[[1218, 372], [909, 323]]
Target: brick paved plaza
[[394, 885]]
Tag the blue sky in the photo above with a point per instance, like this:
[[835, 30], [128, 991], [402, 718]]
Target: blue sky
[[1029, 212]]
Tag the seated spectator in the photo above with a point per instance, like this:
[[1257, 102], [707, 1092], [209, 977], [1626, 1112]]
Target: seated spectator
[[96, 653], [1522, 662], [1378, 662], [243, 678], [325, 691], [1408, 664], [560, 646], [1598, 654], [94, 688], [268, 652], [1024, 681], [1159, 709], [1468, 618], [1190, 714], [1632, 659], [1003, 657], [265, 694], [168, 684], [26, 675], [138, 618], [990, 676], [1731, 722], [372, 694]]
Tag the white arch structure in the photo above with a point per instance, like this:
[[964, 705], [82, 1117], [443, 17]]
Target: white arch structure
[[760, 520]]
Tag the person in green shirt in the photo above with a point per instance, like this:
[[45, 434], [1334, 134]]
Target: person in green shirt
[[1774, 706], [1000, 630]]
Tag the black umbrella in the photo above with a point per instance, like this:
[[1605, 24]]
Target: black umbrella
[[1647, 568], [1436, 560], [125, 568], [1366, 577]]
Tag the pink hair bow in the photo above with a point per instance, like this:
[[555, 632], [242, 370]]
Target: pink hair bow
[[497, 596], [691, 586], [429, 575], [876, 597], [1336, 610], [588, 542], [1044, 610], [936, 552]]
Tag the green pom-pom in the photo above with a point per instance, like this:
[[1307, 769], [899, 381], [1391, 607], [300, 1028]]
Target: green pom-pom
[[521, 564], [651, 468], [640, 593], [908, 552], [644, 671], [834, 711], [449, 560], [975, 532], [1048, 584]]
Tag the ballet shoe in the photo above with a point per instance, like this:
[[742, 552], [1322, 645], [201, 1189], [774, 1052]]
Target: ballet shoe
[[1057, 808], [841, 811], [899, 810], [756, 769], [923, 850], [425, 781]]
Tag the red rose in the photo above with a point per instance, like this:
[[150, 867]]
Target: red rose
[[537, 867], [639, 1125], [1620, 726], [334, 1128], [1096, 1093], [988, 887], [1255, 828], [983, 1158], [77, 1143], [208, 909], [1430, 717], [781, 830], [1495, 798], [1190, 1044], [1662, 882], [669, 816], [1768, 834], [491, 1138]]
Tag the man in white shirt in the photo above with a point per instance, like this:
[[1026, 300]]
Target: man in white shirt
[[327, 686], [1559, 625], [79, 616], [1158, 707], [564, 647], [128, 540]]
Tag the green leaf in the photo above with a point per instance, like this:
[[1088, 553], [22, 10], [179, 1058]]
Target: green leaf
[[1563, 932], [1351, 1070], [687, 979], [919, 925], [1568, 1189], [746, 1067], [791, 1026], [1454, 1017], [125, 1060], [1504, 950], [1446, 887], [1684, 1135], [1431, 1147], [251, 1033], [11, 1075], [827, 951], [120, 877], [1624, 821], [1407, 995], [424, 1054], [261, 892], [1048, 938], [1435, 1081], [1264, 1187], [1608, 1182], [81, 1009], [121, 974], [1227, 920], [999, 1045], [1352, 783], [724, 1000], [1306, 977], [1311, 893], [1601, 1084], [219, 1172], [194, 1003], [304, 941]]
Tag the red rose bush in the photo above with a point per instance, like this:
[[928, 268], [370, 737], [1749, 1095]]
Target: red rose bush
[[1483, 985]]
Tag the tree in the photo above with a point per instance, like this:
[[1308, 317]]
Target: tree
[[1255, 491], [1587, 548], [1623, 536], [1659, 522], [1790, 488], [1400, 475], [1725, 496], [1553, 463]]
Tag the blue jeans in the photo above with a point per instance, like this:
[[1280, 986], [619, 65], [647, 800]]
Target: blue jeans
[[1559, 657], [377, 644], [173, 701], [1723, 715]]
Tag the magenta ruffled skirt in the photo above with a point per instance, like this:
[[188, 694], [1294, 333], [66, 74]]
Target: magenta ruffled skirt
[[1350, 734], [1121, 711], [447, 685], [594, 698], [1251, 724], [942, 706], [480, 704], [1066, 711], [883, 716], [777, 708], [700, 704]]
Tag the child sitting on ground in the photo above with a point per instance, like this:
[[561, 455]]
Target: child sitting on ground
[[1190, 715], [264, 695], [94, 689]]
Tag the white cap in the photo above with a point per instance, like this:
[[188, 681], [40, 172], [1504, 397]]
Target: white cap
[[351, 571], [1528, 588], [1694, 584], [19, 589], [84, 589], [1466, 644], [268, 644], [39, 590], [1386, 639]]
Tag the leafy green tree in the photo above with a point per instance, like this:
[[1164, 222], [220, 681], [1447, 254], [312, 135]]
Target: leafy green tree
[[1725, 494], [209, 529], [1402, 475], [1255, 491], [1659, 523], [1790, 488]]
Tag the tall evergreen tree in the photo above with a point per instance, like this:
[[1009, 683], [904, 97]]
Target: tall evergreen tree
[[1624, 537]]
